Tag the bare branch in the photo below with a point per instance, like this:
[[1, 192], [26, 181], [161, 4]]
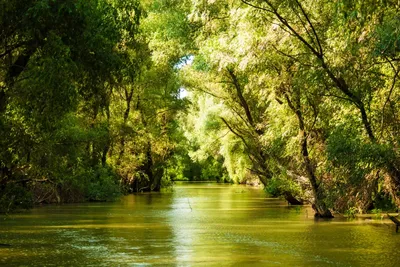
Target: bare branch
[[241, 117], [235, 132], [290, 56], [311, 25], [295, 33], [305, 27], [209, 93], [242, 100], [257, 7], [339, 97]]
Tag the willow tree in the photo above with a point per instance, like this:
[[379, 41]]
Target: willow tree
[[55, 57], [145, 105], [354, 64], [73, 93], [227, 68], [283, 68]]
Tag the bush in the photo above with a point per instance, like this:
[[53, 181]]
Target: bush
[[351, 212], [15, 196], [279, 186], [103, 185]]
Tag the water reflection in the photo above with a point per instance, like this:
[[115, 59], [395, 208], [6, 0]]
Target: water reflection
[[195, 224]]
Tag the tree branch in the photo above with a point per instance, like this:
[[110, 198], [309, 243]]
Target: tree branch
[[257, 7], [234, 132], [396, 74], [239, 93], [285, 22], [311, 25], [290, 56]]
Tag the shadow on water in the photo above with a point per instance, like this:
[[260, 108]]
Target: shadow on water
[[193, 224]]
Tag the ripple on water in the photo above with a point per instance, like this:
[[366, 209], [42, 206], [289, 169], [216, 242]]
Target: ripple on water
[[193, 225]]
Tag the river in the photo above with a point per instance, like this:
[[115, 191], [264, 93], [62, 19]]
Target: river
[[193, 224]]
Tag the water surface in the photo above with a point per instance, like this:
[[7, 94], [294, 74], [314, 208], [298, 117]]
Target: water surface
[[195, 224]]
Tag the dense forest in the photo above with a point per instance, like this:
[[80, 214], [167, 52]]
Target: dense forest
[[100, 98]]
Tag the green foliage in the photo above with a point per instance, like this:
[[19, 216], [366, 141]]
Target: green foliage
[[297, 94], [347, 151], [14, 196], [383, 202], [181, 168], [213, 170], [377, 213], [302, 95], [281, 185], [78, 96], [351, 212], [103, 185], [388, 36], [200, 63]]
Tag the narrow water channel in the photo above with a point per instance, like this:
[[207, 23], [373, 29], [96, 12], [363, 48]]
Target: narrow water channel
[[195, 224]]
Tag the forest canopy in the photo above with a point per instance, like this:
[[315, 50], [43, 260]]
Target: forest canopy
[[302, 96]]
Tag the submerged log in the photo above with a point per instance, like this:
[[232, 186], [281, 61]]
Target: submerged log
[[395, 221], [4, 245]]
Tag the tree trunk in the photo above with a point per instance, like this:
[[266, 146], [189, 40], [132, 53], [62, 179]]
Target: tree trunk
[[106, 148], [319, 205], [128, 96], [292, 200], [156, 186], [13, 72], [315, 47], [256, 154], [394, 175], [149, 163]]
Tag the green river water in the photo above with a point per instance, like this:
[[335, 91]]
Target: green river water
[[195, 224]]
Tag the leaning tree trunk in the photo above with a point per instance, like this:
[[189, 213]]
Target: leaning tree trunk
[[394, 183], [256, 155], [319, 205]]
